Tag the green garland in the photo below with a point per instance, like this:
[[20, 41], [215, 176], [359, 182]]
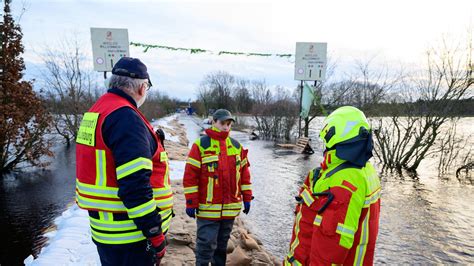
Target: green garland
[[199, 50]]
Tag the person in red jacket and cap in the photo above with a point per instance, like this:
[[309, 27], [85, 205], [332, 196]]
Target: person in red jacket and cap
[[216, 181]]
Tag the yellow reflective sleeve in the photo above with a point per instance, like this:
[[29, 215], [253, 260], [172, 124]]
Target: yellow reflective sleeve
[[133, 166], [142, 209], [188, 190], [194, 162], [245, 187], [86, 132]]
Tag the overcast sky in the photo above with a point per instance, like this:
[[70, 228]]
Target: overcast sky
[[395, 31]]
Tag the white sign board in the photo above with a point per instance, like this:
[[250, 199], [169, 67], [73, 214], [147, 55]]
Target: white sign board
[[310, 61], [108, 46]]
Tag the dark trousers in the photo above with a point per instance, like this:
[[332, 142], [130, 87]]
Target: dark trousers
[[211, 242], [125, 254]]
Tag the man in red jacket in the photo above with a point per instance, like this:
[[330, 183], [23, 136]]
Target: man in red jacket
[[216, 181]]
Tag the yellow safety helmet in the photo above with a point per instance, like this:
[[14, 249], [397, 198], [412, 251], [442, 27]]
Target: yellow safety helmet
[[346, 124]]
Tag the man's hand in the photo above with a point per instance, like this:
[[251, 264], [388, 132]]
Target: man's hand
[[157, 245], [246, 207], [191, 212]]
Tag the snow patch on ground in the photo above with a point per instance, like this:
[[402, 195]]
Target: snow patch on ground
[[71, 243], [163, 122], [176, 169]]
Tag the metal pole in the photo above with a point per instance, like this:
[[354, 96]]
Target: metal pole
[[105, 74], [306, 128], [299, 114], [306, 120]]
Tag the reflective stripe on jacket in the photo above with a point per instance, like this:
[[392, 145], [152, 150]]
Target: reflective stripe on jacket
[[344, 232], [98, 177], [217, 177]]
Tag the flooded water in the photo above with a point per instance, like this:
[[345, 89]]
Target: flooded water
[[424, 221], [30, 202]]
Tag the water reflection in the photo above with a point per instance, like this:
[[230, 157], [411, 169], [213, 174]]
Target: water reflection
[[29, 202], [277, 176], [423, 220]]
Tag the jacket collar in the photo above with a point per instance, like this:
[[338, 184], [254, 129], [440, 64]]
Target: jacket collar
[[215, 133], [121, 93], [330, 160]]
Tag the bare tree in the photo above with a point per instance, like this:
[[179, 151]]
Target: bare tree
[[204, 95], [260, 92], [407, 137], [274, 113], [241, 97], [215, 90], [70, 86], [453, 150]]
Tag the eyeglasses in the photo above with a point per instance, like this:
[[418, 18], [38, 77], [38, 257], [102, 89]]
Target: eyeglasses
[[148, 84]]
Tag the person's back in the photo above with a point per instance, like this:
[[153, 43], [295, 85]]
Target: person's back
[[338, 215], [122, 172]]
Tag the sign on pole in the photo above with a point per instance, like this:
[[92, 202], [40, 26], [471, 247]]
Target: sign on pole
[[310, 61], [108, 46]]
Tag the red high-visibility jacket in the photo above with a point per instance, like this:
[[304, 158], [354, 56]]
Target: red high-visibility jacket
[[217, 178], [98, 175], [345, 231]]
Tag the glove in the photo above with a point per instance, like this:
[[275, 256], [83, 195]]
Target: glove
[[246, 207], [157, 245], [191, 212]]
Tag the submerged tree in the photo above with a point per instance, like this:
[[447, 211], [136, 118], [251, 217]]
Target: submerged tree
[[275, 114], [23, 118], [409, 134]]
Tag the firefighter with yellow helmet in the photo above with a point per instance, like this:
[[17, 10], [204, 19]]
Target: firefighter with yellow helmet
[[337, 215]]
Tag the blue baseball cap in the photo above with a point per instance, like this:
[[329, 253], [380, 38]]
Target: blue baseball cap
[[131, 67]]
